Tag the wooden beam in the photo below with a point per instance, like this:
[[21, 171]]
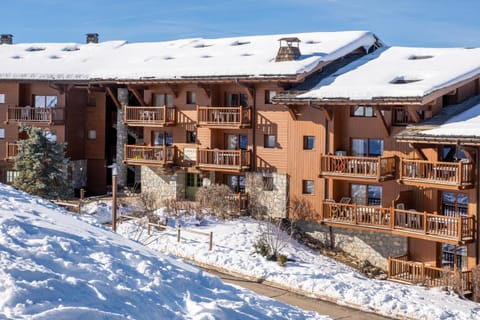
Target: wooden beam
[[327, 113], [293, 110], [412, 112], [173, 88], [137, 95], [250, 89], [114, 98], [206, 88], [381, 119], [418, 150]]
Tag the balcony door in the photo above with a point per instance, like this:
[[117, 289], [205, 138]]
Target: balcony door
[[236, 141], [162, 138], [193, 183], [236, 99], [367, 147]]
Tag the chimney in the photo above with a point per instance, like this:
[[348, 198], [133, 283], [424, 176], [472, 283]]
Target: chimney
[[289, 49], [6, 39], [92, 37]]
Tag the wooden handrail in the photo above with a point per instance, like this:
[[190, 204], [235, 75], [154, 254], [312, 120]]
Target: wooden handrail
[[437, 172], [366, 167], [36, 114], [153, 154], [224, 158], [149, 115], [224, 116]]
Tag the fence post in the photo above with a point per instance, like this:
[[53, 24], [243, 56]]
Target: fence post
[[178, 234], [210, 245]]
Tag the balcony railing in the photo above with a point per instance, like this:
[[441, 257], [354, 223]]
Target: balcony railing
[[456, 175], [149, 155], [453, 230], [400, 268], [379, 168], [54, 115], [223, 160], [12, 150], [239, 200], [149, 116], [240, 117]]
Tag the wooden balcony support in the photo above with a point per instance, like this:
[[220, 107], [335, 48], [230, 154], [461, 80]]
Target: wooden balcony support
[[448, 175], [229, 117], [149, 116], [223, 160], [348, 167], [149, 155], [11, 150], [400, 268], [27, 114], [410, 223]]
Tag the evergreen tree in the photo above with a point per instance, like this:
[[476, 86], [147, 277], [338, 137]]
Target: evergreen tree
[[41, 165]]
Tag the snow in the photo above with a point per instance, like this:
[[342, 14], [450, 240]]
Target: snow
[[252, 56], [310, 272], [465, 124], [57, 265], [399, 72]]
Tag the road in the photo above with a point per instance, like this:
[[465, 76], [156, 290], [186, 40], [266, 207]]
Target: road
[[321, 307]]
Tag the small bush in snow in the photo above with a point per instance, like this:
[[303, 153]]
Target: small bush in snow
[[282, 260]]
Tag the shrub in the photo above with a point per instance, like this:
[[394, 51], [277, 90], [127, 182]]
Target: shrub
[[282, 259]]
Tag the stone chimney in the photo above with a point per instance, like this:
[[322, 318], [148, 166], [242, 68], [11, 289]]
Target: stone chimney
[[92, 37], [289, 49], [6, 39]]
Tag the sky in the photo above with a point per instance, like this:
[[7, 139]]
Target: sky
[[427, 23]]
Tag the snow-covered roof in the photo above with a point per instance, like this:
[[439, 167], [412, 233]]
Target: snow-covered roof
[[398, 72], [248, 56]]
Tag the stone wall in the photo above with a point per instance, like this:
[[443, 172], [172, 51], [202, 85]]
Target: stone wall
[[275, 200], [375, 247], [162, 185]]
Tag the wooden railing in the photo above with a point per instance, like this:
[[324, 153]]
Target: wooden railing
[[149, 116], [54, 115], [379, 168], [404, 222], [227, 160], [240, 200], [12, 150], [224, 116], [400, 268], [454, 174], [149, 155]]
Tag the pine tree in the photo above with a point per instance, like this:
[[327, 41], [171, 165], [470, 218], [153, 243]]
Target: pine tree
[[41, 165]]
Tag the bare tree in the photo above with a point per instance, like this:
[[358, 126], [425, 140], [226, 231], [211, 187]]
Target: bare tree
[[219, 200]]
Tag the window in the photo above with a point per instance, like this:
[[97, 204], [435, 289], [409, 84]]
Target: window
[[308, 186], [366, 194], [267, 183], [269, 94], [161, 138], [308, 142], [269, 141], [236, 183], [162, 99], [367, 147], [2, 133], [191, 136], [45, 101], [191, 97], [362, 111], [451, 153], [92, 134], [236, 100], [2, 98], [193, 180]]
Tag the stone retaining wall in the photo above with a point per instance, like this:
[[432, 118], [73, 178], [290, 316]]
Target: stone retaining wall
[[162, 185], [364, 245]]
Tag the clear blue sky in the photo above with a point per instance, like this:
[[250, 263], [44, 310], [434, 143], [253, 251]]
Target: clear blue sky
[[431, 23]]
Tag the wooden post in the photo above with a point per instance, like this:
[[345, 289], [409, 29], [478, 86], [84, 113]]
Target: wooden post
[[392, 217], [424, 222], [355, 213], [178, 234], [82, 193], [210, 245], [459, 228]]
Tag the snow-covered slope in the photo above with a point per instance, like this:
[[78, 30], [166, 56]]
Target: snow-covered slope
[[53, 265]]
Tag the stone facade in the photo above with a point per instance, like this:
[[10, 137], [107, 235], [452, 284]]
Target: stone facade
[[164, 186], [122, 136], [375, 247], [275, 196]]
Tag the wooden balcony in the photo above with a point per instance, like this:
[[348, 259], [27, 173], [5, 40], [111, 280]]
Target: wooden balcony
[[408, 223], [49, 116], [223, 160], [447, 175], [224, 117], [12, 151], [346, 167], [400, 268], [149, 116], [158, 156]]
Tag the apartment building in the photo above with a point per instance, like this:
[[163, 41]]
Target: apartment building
[[332, 118]]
